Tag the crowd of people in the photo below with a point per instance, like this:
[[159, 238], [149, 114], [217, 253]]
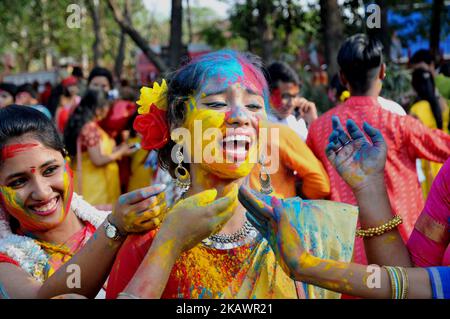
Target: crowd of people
[[96, 178]]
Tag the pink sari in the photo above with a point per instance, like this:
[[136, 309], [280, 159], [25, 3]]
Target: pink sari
[[429, 244]]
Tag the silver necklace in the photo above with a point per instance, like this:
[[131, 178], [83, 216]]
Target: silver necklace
[[243, 236]]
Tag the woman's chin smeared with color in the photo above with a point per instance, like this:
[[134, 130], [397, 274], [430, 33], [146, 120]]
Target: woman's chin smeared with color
[[223, 119], [36, 185]]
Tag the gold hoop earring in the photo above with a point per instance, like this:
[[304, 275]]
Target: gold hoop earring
[[183, 178], [266, 185]]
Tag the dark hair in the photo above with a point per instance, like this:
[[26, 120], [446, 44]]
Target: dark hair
[[422, 55], [77, 72], [360, 58], [18, 120], [445, 69], [9, 87], [336, 84], [189, 78], [55, 98], [423, 84], [281, 71], [83, 114], [27, 87], [99, 71]]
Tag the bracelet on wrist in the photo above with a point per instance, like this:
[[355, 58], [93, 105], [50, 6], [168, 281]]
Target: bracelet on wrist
[[399, 282], [127, 295], [380, 230]]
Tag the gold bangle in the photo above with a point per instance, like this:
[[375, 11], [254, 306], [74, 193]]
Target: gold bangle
[[394, 282], [380, 230], [405, 282], [127, 295]]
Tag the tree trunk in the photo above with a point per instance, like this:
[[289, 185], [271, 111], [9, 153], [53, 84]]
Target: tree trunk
[[332, 33], [120, 57], [189, 21], [94, 9], [266, 30], [136, 37], [176, 34], [435, 32]]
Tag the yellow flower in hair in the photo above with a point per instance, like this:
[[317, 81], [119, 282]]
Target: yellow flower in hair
[[156, 95], [344, 96]]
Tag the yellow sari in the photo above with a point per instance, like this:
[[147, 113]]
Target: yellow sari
[[422, 110], [99, 185], [141, 176]]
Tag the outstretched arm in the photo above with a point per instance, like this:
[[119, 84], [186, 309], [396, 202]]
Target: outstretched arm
[[189, 221], [275, 223], [361, 164]]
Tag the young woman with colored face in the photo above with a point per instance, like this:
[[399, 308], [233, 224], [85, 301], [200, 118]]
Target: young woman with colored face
[[361, 165], [225, 91], [95, 153], [47, 232]]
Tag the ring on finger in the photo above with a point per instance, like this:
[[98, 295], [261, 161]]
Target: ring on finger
[[339, 149]]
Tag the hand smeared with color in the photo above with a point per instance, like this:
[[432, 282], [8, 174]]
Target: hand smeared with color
[[201, 215], [275, 220], [360, 161]]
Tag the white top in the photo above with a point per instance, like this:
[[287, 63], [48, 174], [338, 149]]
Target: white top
[[299, 126], [391, 106]]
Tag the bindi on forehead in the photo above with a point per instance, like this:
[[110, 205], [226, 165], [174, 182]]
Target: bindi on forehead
[[33, 170], [12, 150]]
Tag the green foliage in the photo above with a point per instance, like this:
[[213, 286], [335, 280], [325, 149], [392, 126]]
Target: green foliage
[[397, 85], [24, 35]]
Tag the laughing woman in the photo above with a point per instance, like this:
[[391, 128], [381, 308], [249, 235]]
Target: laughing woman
[[221, 97], [47, 232]]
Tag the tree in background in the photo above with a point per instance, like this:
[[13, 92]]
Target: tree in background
[[332, 32]]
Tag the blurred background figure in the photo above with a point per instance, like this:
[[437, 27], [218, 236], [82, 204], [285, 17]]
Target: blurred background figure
[[431, 111], [95, 154], [396, 48], [26, 95], [7, 94], [337, 92], [69, 100], [286, 104]]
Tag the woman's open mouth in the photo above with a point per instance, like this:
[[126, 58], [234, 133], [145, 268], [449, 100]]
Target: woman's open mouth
[[235, 147], [45, 208]]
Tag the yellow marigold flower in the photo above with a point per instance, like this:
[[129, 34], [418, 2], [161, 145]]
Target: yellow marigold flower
[[156, 95]]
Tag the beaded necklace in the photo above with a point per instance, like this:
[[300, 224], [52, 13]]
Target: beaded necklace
[[54, 248]]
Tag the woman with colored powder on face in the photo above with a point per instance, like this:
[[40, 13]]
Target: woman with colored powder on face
[[222, 96], [361, 165], [47, 232], [94, 151]]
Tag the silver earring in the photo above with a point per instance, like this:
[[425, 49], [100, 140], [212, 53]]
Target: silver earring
[[266, 185], [183, 178]]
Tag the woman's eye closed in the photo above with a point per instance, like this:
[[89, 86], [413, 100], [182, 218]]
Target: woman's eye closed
[[215, 104], [17, 182], [50, 170], [254, 106]]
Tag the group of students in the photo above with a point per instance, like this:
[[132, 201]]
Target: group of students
[[232, 231]]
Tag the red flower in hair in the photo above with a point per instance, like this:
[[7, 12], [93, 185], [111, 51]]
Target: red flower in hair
[[153, 128]]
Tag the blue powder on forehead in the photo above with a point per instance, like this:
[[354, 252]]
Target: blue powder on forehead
[[224, 66]]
